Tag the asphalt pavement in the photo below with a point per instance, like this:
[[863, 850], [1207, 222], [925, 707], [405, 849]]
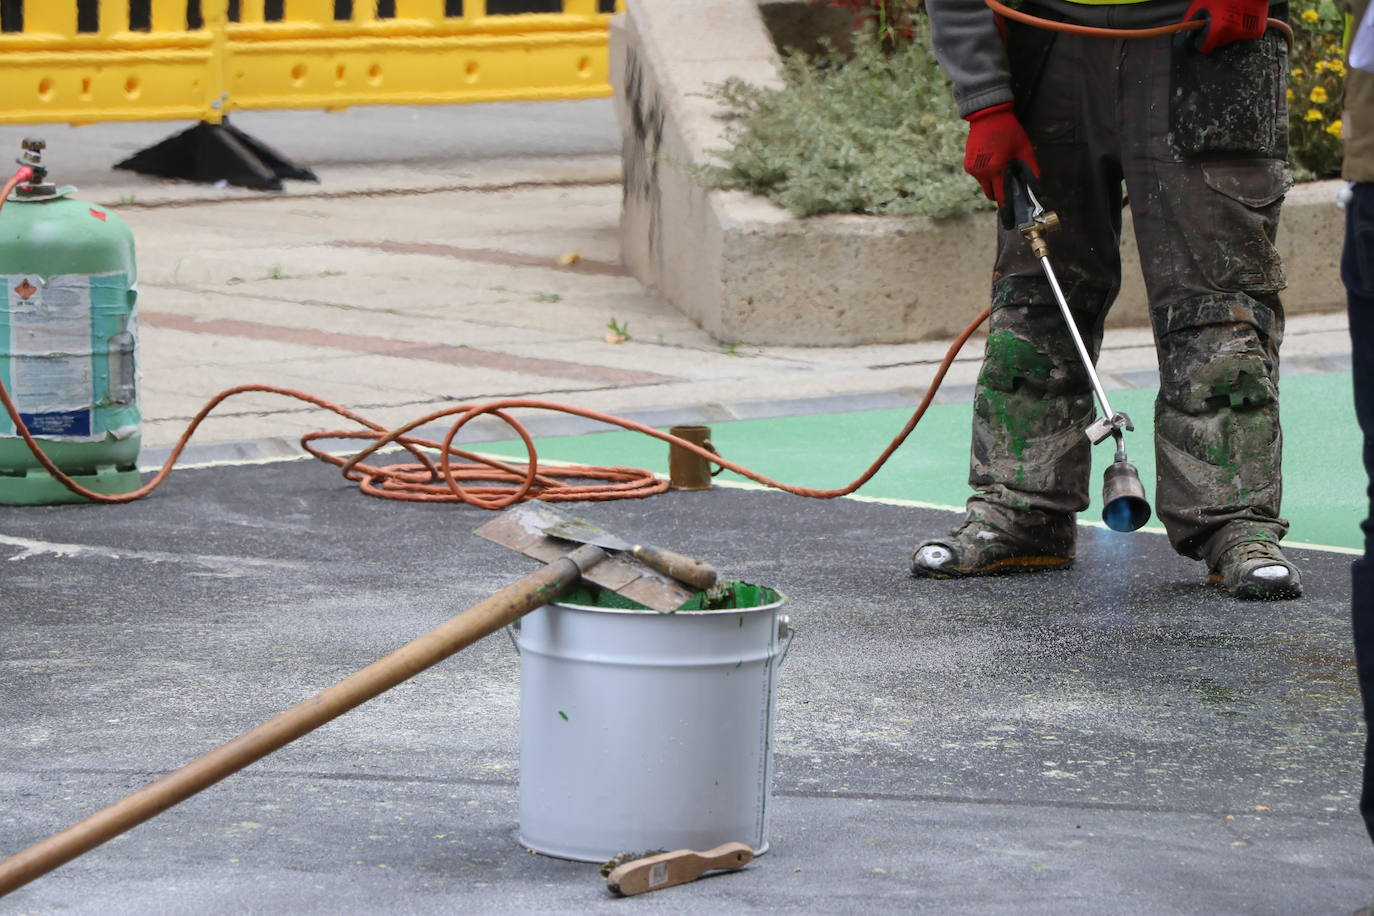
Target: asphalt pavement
[[1118, 737]]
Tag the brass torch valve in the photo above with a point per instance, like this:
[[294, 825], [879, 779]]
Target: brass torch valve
[[1038, 224]]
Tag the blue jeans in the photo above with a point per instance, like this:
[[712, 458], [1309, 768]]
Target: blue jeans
[[1357, 273]]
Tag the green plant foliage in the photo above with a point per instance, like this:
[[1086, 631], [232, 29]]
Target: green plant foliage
[[895, 21], [1315, 87], [874, 133]]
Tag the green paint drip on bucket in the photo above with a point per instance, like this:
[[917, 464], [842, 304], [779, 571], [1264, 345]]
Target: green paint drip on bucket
[[727, 596]]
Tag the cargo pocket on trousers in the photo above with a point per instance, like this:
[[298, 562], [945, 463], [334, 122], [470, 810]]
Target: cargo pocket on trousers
[[1231, 100], [1237, 224]]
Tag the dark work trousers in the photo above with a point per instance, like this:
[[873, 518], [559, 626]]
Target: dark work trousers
[[1199, 142], [1357, 273]]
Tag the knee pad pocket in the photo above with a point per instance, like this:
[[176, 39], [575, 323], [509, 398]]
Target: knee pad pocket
[[1214, 367]]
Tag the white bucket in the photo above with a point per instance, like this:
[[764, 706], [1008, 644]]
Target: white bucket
[[642, 731]]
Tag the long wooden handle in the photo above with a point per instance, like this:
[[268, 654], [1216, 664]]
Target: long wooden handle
[[666, 869], [684, 569], [511, 603]]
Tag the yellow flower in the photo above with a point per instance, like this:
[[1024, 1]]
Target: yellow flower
[[1290, 95], [1296, 71], [1321, 66], [1318, 95], [1337, 66], [1312, 115], [1310, 16], [1334, 128]]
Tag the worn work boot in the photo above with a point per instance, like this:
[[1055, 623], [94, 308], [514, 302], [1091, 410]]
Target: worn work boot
[[976, 548], [1257, 570]]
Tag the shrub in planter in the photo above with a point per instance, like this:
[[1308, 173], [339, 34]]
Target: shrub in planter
[[875, 132]]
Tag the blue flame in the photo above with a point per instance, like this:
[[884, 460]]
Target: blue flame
[[1126, 513]]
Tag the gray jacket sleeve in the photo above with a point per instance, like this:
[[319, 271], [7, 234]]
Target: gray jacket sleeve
[[970, 52]]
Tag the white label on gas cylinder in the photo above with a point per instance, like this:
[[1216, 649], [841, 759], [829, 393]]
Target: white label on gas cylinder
[[50, 376]]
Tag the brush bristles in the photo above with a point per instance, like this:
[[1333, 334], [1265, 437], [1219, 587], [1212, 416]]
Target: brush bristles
[[621, 858]]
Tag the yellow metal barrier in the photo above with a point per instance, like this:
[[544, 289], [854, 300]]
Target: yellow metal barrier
[[82, 61]]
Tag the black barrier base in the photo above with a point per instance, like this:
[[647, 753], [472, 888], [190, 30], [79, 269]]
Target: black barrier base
[[217, 152]]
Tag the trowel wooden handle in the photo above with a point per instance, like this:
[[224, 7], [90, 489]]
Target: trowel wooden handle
[[684, 569], [669, 868]]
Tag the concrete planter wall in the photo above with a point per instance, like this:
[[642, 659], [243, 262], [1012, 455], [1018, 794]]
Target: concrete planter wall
[[748, 272]]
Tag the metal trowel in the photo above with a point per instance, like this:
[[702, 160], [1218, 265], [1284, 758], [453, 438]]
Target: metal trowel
[[684, 569], [658, 579]]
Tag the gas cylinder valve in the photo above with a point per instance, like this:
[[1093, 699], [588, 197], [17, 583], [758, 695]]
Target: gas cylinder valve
[[31, 157]]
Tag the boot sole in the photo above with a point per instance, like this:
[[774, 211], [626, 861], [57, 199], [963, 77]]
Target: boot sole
[[1259, 591], [1007, 566]]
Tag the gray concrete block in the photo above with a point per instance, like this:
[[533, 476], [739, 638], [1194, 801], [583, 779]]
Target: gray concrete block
[[748, 272]]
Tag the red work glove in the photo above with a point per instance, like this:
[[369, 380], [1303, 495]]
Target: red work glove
[[1228, 21], [995, 140]]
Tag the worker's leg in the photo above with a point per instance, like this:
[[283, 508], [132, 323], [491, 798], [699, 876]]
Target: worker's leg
[[1030, 458], [1206, 176], [1357, 272]]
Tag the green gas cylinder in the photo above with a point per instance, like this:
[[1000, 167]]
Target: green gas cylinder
[[68, 342]]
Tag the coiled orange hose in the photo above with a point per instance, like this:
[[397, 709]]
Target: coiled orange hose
[[478, 480]]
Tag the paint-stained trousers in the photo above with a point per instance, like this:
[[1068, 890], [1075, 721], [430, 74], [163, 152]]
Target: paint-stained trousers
[[1199, 143], [1357, 272]]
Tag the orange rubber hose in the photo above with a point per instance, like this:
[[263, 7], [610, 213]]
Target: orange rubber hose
[[1005, 11], [479, 481]]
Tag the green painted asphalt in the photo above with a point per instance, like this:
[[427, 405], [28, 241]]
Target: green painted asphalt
[[1323, 487]]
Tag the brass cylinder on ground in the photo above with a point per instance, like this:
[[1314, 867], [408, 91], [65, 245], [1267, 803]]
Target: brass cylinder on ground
[[688, 470]]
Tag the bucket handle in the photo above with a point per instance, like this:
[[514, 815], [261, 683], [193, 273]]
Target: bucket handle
[[786, 633], [512, 629]]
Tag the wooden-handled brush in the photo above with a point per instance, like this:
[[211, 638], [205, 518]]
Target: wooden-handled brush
[[653, 872]]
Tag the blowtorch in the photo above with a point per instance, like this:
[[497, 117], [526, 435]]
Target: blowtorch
[[1124, 506]]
